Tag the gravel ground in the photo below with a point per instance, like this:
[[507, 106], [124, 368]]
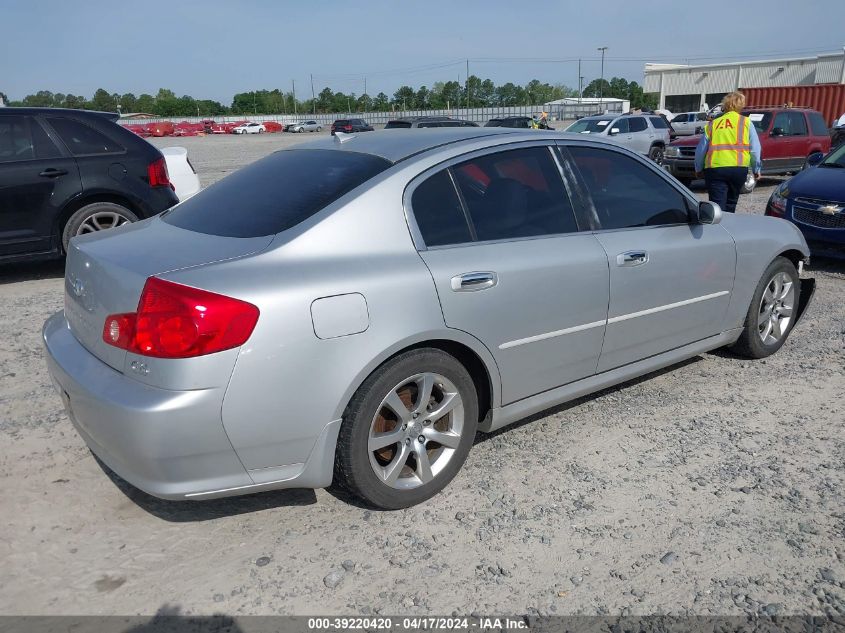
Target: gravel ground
[[713, 487]]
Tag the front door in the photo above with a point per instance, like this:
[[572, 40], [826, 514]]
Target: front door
[[670, 280], [511, 267], [36, 180]]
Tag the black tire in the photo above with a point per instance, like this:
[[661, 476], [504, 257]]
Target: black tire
[[656, 154], [749, 343], [352, 469], [261, 131], [82, 215]]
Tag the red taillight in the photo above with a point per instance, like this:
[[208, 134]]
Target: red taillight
[[176, 321], [348, 128], [157, 174]]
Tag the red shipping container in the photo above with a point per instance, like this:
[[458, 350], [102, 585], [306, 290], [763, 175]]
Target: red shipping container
[[829, 99]]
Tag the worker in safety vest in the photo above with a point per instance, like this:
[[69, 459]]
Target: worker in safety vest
[[728, 147]]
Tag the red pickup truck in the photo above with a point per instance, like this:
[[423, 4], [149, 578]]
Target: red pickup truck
[[787, 137]]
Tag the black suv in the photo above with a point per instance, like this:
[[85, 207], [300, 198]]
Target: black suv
[[427, 121], [349, 126], [69, 172]]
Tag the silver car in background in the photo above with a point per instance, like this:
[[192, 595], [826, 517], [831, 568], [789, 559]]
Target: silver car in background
[[688, 123], [646, 134], [304, 126], [279, 330]]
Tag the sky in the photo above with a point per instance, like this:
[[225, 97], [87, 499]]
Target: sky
[[213, 48]]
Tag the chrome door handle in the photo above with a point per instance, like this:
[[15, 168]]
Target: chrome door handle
[[469, 282], [632, 258]]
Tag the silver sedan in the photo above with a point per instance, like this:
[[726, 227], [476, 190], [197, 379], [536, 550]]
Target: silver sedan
[[279, 330]]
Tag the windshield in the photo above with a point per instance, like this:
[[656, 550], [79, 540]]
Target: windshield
[[760, 120], [835, 159], [588, 126]]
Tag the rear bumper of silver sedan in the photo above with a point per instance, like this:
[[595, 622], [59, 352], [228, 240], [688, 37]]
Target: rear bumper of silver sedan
[[170, 444]]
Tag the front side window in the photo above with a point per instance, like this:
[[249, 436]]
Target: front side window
[[781, 126], [622, 126], [81, 139], [515, 193], [625, 192], [637, 124]]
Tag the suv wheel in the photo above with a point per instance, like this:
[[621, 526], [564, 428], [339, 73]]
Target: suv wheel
[[656, 154], [407, 430], [94, 217]]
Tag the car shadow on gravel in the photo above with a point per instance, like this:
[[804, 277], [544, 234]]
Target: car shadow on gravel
[[28, 271], [483, 437], [209, 509]]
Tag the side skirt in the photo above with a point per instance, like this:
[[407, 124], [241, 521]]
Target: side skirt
[[516, 411]]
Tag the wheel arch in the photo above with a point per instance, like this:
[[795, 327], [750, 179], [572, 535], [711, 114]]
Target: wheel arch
[[470, 352], [84, 199]]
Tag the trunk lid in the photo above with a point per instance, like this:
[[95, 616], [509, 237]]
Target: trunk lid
[[105, 272]]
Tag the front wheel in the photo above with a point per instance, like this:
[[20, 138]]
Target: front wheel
[[319, 129], [407, 430], [772, 312], [94, 217]]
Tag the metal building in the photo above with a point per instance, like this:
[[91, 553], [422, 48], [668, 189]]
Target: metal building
[[692, 88]]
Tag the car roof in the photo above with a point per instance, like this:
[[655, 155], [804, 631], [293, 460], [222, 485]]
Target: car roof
[[412, 119], [610, 115], [112, 116], [400, 144]]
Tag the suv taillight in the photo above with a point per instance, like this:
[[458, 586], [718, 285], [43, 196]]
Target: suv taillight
[[157, 174], [176, 321], [348, 128]]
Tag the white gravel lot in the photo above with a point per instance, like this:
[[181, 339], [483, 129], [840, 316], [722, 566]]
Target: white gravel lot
[[713, 487]]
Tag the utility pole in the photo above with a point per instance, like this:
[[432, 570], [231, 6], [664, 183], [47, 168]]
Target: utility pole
[[601, 81], [365, 85], [466, 104], [313, 96], [293, 83], [580, 81]]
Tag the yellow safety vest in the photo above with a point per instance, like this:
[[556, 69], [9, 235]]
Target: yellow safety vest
[[729, 141]]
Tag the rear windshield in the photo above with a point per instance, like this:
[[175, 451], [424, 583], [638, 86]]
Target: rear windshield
[[341, 122], [275, 193], [494, 123], [587, 126], [394, 124]]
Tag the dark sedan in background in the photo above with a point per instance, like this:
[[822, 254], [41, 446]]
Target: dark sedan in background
[[814, 200]]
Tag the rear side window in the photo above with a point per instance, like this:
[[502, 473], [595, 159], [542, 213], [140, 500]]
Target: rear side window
[[81, 139], [438, 212], [637, 124], [658, 122], [817, 124], [22, 138], [513, 194], [797, 124], [625, 192], [275, 193]]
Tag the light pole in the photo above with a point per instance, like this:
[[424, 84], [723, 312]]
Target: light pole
[[601, 81]]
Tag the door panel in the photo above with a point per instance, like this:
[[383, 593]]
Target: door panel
[[543, 320], [678, 296], [35, 183]]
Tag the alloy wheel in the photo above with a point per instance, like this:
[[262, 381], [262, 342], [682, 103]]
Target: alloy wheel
[[776, 308], [415, 431], [101, 221]]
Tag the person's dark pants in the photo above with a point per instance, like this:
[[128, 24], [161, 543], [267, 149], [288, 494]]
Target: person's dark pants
[[724, 185]]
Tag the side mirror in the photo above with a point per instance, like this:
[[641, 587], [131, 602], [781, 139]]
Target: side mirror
[[709, 213], [778, 131], [614, 131], [814, 159]]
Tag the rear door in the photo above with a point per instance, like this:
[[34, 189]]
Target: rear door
[[800, 136], [36, 180], [778, 153], [498, 232], [670, 280], [641, 134]]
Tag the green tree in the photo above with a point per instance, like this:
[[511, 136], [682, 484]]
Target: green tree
[[404, 98], [381, 103], [145, 103]]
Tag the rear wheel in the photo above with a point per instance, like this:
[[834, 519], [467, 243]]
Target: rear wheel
[[656, 154], [772, 312], [407, 430], [97, 216]]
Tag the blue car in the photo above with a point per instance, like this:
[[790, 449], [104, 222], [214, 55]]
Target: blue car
[[814, 200]]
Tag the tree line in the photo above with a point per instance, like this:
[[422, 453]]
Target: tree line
[[474, 93]]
